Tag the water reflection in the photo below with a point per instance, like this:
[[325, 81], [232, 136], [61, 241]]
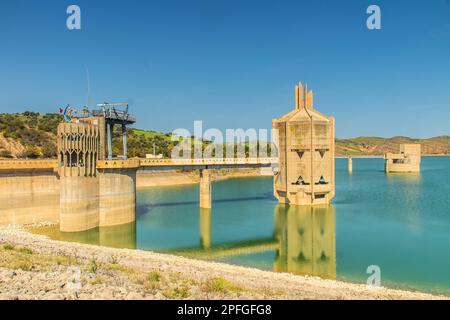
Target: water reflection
[[307, 242], [205, 228], [303, 241], [122, 236]]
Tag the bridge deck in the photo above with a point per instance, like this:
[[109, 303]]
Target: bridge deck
[[28, 164], [141, 162]]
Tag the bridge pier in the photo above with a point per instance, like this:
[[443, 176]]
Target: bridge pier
[[78, 203], [117, 196], [205, 189]]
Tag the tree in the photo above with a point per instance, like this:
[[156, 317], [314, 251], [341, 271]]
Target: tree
[[32, 152], [5, 154], [49, 150]]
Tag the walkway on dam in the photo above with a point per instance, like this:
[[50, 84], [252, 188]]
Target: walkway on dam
[[211, 163]]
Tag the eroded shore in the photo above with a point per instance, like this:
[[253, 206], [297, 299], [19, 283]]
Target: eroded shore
[[148, 178], [36, 267]]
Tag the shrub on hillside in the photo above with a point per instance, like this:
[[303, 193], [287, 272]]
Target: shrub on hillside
[[5, 154], [32, 152]]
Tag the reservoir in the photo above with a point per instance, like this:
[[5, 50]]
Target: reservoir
[[398, 222]]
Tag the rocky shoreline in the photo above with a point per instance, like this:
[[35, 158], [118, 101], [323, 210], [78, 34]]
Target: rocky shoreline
[[36, 267]]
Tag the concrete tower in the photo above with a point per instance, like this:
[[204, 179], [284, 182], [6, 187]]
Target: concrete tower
[[93, 192], [78, 148], [408, 160], [305, 141]]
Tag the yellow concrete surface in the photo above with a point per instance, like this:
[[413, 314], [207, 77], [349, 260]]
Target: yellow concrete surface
[[28, 196], [117, 196], [408, 160], [305, 141], [205, 189]]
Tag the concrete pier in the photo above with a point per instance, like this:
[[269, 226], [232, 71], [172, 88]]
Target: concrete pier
[[117, 196], [205, 189], [78, 203]]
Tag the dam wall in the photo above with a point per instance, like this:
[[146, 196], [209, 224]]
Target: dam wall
[[78, 189], [77, 202], [28, 196], [82, 193]]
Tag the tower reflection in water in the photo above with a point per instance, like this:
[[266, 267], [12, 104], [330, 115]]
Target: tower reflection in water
[[304, 241], [307, 240]]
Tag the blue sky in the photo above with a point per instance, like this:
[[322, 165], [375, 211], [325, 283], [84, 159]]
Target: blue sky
[[233, 63]]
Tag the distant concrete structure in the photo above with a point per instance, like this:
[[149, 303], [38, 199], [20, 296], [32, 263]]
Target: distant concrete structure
[[350, 164], [305, 153], [408, 160]]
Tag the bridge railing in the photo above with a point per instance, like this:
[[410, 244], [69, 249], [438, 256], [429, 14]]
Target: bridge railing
[[207, 161], [139, 162], [28, 164]]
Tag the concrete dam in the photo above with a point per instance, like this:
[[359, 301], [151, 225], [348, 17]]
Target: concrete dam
[[86, 188]]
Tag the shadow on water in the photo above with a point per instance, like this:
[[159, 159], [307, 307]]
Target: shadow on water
[[183, 203]]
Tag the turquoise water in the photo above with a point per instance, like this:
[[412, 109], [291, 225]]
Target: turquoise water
[[399, 222]]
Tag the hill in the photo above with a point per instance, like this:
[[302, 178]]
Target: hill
[[378, 146], [32, 135]]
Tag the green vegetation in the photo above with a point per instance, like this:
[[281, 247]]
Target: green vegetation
[[97, 280], [93, 266], [36, 136], [25, 250], [180, 292], [35, 133], [23, 258], [141, 142], [220, 285], [379, 146], [154, 276], [8, 246]]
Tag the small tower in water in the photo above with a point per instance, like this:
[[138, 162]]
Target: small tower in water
[[305, 141]]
